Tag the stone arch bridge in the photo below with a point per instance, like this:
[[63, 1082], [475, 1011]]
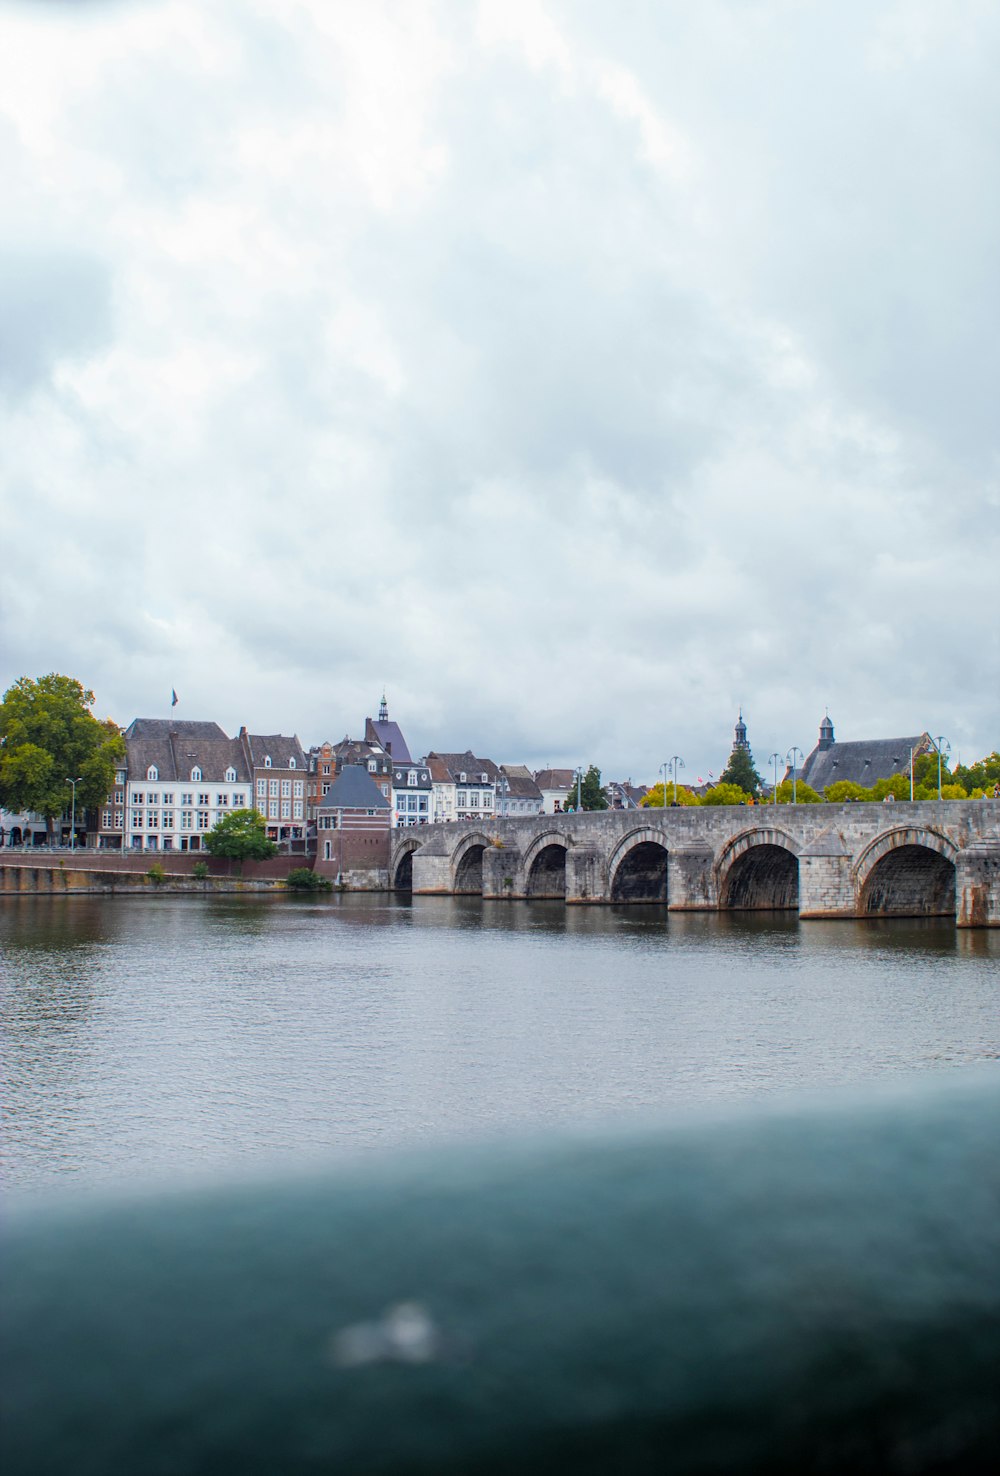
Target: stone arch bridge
[[854, 860]]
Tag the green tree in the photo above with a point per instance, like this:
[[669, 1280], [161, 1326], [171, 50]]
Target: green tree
[[741, 772], [981, 775], [804, 793], [654, 798], [724, 794], [843, 790], [48, 735], [592, 796], [241, 836]]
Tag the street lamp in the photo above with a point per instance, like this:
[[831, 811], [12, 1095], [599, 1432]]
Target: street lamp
[[943, 746], [676, 763], [664, 770], [72, 821], [791, 759], [775, 760], [579, 783]]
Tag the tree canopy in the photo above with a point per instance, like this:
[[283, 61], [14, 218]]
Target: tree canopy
[[241, 836], [654, 798], [740, 771], [48, 736], [592, 796]]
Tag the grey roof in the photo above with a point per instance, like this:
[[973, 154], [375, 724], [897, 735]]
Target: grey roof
[[555, 778], [862, 762], [391, 739], [175, 748], [520, 784], [401, 776], [468, 764], [354, 789], [276, 746]]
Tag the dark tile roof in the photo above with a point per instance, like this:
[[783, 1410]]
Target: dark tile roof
[[468, 764], [354, 789], [401, 776], [555, 778], [278, 747], [176, 748], [520, 784], [862, 762]]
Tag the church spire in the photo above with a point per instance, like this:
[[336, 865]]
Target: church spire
[[741, 734], [383, 711]]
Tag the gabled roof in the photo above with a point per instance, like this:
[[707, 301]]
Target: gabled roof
[[468, 764], [277, 747], [175, 748], [520, 784], [388, 736], [555, 778], [354, 789], [862, 762]]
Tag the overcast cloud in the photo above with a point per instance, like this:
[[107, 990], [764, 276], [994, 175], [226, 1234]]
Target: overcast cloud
[[578, 371]]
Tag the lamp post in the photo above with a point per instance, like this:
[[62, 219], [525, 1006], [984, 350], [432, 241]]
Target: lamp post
[[579, 785], [943, 746], [790, 758], [775, 760], [72, 821], [676, 763], [664, 770]]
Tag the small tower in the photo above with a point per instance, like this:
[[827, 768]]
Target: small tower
[[383, 711], [741, 735], [825, 734]]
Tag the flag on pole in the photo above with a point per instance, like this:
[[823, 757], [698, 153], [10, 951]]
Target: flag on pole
[[173, 697]]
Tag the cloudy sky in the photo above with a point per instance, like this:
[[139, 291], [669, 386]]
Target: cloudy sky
[[577, 371]]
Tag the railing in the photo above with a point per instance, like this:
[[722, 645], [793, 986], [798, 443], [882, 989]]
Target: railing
[[801, 1287]]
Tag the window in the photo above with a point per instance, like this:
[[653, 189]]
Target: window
[[411, 777], [326, 768], [152, 799], [168, 819], [119, 796], [484, 778], [203, 799], [168, 799], [291, 762], [202, 819], [196, 775], [221, 801], [286, 788], [152, 820], [372, 766], [273, 788], [297, 788], [262, 788], [152, 773], [326, 789], [267, 761], [136, 819], [327, 848], [186, 816], [187, 799], [230, 775], [297, 810], [239, 799], [385, 790], [120, 776], [119, 819], [138, 799], [272, 810], [105, 819], [474, 798], [286, 809]]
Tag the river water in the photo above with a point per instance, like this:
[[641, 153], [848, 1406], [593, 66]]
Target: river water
[[151, 1037]]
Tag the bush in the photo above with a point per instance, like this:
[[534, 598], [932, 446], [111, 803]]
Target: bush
[[200, 870], [302, 879], [156, 874]]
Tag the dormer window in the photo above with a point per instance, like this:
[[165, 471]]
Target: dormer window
[[230, 775], [461, 779], [484, 778], [411, 777], [152, 773], [267, 761], [372, 766], [195, 775], [291, 762]]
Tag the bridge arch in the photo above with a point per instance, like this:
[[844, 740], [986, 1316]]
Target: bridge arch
[[637, 867], [401, 872], [467, 863], [758, 870], [909, 872], [545, 865]]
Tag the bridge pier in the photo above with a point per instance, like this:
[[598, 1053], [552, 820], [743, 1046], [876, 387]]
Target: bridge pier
[[691, 881], [977, 887], [826, 886], [503, 873], [585, 879]]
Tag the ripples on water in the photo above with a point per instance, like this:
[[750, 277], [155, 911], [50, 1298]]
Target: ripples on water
[[143, 1036]]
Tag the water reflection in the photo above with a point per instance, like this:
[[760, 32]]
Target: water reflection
[[159, 1034]]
